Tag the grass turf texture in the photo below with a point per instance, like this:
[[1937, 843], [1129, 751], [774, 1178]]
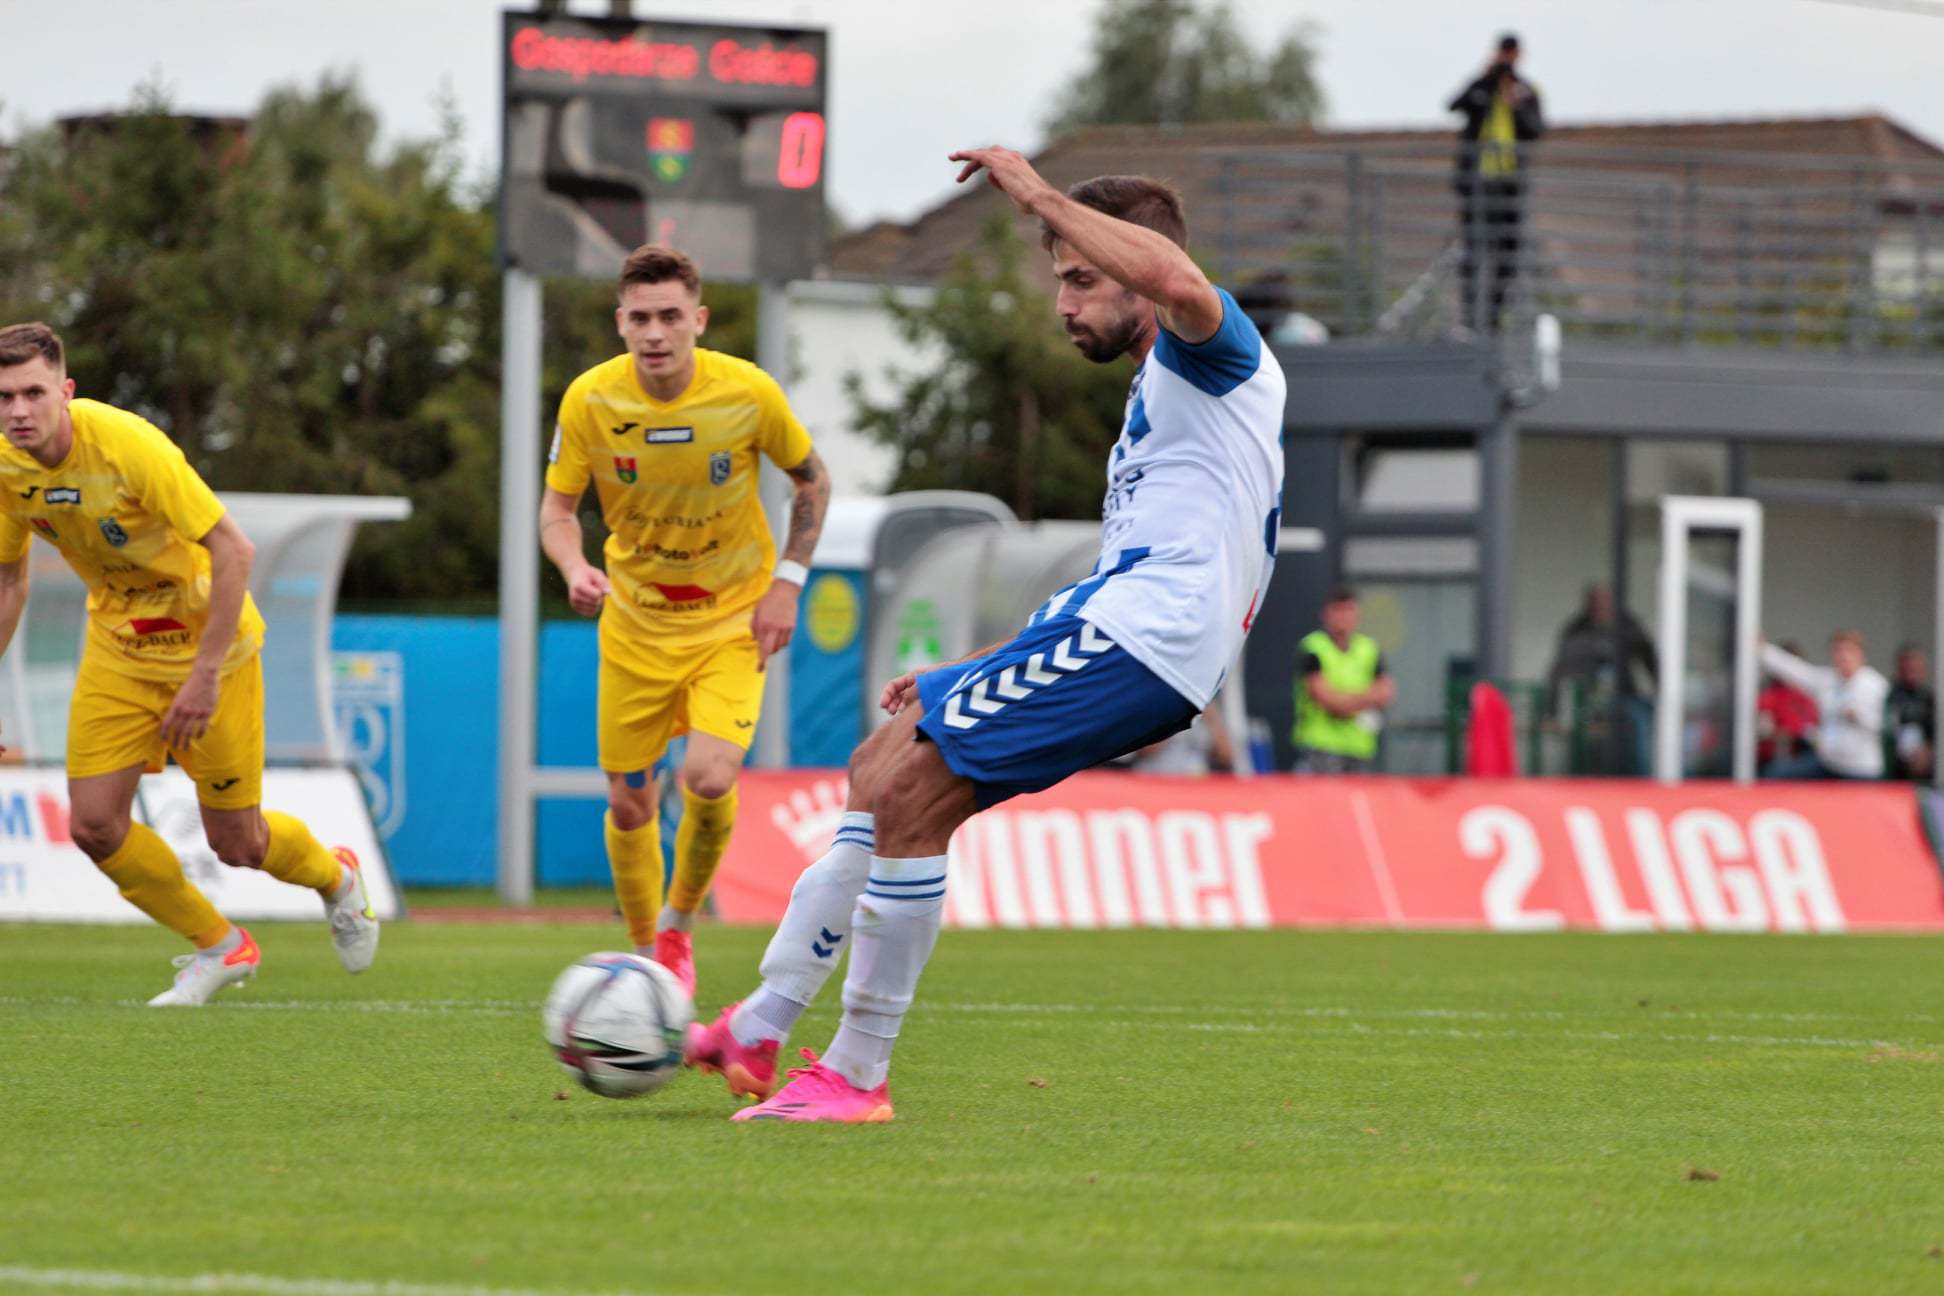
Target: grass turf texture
[[1117, 1112]]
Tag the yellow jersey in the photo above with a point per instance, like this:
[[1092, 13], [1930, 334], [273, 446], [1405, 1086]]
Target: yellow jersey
[[688, 549], [125, 510]]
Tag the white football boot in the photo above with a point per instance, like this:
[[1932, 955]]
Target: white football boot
[[203, 973], [354, 925]]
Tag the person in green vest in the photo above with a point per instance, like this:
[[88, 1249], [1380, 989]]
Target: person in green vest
[[1342, 689]]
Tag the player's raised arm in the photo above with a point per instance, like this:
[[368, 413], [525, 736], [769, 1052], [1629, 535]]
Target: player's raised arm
[[1139, 259]]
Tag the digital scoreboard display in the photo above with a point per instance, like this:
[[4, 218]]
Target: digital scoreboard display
[[706, 137]]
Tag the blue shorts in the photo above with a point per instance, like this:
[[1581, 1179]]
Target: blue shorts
[[1060, 698]]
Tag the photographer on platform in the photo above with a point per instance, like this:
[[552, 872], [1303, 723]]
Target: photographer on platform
[[1501, 113]]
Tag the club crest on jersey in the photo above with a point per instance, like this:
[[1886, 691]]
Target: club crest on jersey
[[45, 526], [626, 471], [112, 532], [62, 495], [718, 468]]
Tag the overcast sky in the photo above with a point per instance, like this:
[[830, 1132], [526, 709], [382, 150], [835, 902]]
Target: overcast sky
[[914, 79]]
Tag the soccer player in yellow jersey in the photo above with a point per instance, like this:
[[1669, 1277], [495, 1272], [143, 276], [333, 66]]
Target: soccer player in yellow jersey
[[169, 662], [693, 601]]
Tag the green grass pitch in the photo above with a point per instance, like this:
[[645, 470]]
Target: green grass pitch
[[1122, 1112]]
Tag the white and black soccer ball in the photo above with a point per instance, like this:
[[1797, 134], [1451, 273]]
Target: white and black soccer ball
[[616, 1023]]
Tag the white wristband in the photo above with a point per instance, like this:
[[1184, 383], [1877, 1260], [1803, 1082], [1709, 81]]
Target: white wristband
[[794, 572]]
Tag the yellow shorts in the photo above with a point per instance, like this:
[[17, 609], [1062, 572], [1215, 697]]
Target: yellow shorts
[[115, 721], [648, 694]]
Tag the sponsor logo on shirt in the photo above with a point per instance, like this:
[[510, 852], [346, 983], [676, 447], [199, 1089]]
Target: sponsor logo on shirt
[[111, 532], [63, 495], [680, 598], [44, 526], [160, 591], [669, 436], [625, 470], [154, 625], [718, 467], [663, 552]]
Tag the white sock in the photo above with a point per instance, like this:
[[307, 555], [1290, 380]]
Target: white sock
[[812, 938], [231, 942], [673, 919], [765, 1015], [893, 930]]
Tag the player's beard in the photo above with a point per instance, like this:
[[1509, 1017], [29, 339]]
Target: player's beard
[[1111, 345]]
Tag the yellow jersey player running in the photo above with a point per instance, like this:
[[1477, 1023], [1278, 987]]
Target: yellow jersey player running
[[169, 663], [693, 601]]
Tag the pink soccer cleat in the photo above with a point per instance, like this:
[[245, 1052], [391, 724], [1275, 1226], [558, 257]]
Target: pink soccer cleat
[[816, 1093], [676, 952], [748, 1070]]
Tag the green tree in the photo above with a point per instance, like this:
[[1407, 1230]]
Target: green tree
[[299, 309], [1010, 408], [302, 310], [1170, 62]]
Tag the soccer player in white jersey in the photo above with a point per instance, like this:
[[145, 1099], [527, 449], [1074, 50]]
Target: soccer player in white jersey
[[1108, 665]]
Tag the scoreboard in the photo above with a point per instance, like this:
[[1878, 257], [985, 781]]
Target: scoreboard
[[706, 137]]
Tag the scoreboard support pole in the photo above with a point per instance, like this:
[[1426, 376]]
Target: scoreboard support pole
[[773, 358], [519, 593]]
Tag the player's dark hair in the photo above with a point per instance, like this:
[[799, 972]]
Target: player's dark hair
[[1138, 200], [20, 343], [652, 263]]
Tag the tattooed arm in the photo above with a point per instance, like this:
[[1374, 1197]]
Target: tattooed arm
[[775, 618], [809, 497]]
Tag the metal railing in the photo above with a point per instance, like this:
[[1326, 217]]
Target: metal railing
[[1733, 248]]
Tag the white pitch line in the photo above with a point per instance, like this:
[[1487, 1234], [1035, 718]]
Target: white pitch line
[[1379, 862], [1124, 1013], [263, 1284]]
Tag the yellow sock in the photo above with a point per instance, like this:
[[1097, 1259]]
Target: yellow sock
[[296, 857], [699, 844], [151, 878], [635, 859]]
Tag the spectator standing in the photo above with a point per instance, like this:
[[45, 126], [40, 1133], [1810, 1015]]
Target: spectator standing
[[1607, 655], [1501, 112], [1785, 716], [1910, 716], [1342, 689], [1847, 741]]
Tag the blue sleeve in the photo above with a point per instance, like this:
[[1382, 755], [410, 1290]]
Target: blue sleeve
[[1222, 363]]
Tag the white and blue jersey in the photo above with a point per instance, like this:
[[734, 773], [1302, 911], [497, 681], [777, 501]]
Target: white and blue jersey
[[1194, 489], [1130, 655]]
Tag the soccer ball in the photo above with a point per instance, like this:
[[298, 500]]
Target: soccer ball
[[616, 1023]]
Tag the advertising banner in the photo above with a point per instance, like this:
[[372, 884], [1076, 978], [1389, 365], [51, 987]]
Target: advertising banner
[[1117, 850], [44, 877]]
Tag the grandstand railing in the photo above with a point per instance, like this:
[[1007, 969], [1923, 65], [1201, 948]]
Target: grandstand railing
[[1625, 245]]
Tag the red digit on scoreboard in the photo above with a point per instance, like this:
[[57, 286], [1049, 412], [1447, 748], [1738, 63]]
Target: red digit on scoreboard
[[799, 156]]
